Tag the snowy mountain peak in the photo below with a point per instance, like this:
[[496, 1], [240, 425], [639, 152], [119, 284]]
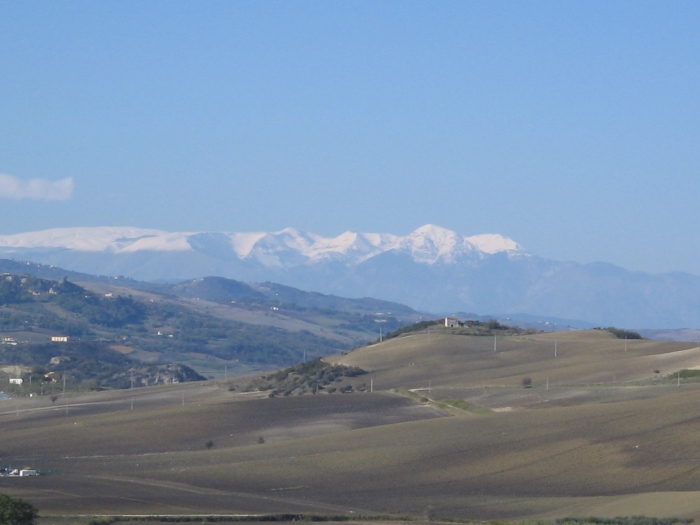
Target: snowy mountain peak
[[432, 244]]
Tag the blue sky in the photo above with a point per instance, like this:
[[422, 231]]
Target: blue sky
[[572, 127]]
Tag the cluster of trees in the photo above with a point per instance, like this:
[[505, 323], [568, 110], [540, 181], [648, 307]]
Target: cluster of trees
[[27, 291], [15, 511], [113, 312], [311, 376], [622, 334], [14, 291]]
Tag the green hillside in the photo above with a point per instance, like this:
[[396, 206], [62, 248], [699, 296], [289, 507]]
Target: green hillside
[[144, 328]]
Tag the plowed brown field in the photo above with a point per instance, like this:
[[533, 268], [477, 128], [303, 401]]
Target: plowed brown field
[[585, 446]]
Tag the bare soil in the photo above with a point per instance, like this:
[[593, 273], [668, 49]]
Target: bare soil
[[585, 446]]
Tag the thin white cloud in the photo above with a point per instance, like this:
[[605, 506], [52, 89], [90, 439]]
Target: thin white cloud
[[38, 189]]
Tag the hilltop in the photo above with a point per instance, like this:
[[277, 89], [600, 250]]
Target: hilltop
[[474, 368]]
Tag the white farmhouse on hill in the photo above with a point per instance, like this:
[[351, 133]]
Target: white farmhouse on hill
[[451, 322], [59, 338]]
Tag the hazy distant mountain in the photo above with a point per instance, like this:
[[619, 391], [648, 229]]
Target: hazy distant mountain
[[431, 269]]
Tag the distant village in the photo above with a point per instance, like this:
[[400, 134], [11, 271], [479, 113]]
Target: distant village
[[50, 376]]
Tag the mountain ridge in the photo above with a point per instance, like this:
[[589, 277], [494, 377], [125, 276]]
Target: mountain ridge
[[431, 269], [428, 244]]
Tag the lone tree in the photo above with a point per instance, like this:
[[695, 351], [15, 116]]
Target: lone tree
[[14, 511]]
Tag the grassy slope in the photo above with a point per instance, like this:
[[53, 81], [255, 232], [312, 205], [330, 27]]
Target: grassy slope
[[379, 453]]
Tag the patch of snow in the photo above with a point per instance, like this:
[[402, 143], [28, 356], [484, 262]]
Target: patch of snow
[[243, 243], [79, 239], [165, 242], [494, 243]]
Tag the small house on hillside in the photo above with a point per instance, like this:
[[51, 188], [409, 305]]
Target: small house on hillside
[[59, 338], [16, 381], [451, 322]]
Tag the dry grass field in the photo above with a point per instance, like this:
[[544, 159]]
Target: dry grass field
[[610, 436]]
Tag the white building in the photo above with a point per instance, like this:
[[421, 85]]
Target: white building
[[15, 380], [451, 322], [59, 338]]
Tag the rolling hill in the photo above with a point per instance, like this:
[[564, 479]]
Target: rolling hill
[[449, 432]]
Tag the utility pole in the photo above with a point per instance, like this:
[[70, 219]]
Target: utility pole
[[380, 334], [371, 385], [64, 385], [495, 337], [555, 348]]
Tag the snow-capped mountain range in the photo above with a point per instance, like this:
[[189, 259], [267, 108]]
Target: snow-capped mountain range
[[431, 269], [429, 244]]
